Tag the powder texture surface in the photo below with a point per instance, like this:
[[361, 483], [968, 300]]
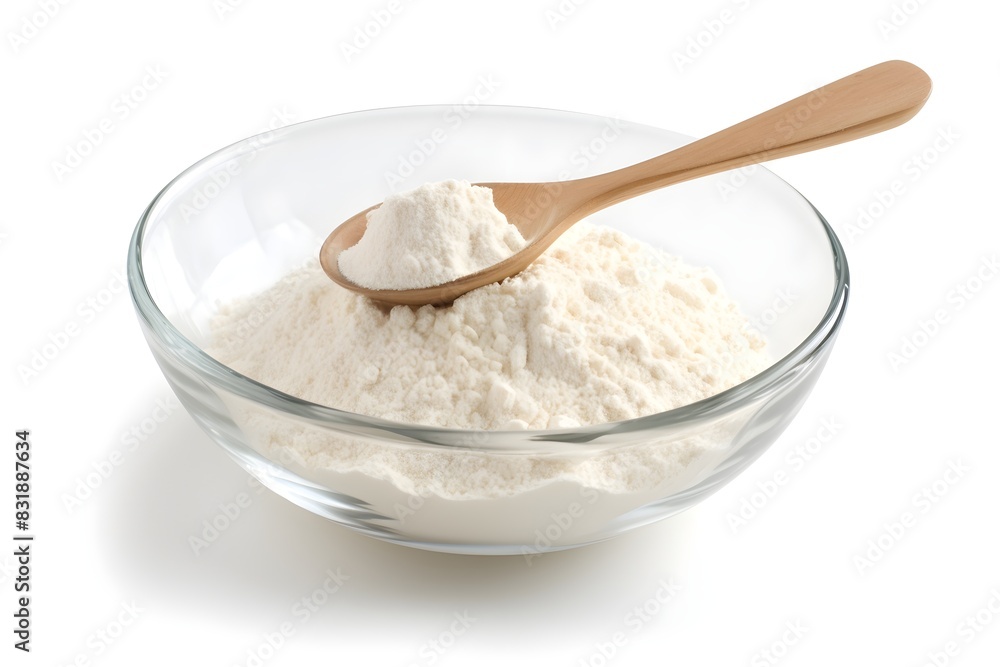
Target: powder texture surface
[[600, 328], [430, 236]]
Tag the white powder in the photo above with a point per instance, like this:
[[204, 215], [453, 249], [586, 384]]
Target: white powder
[[600, 328], [429, 236]]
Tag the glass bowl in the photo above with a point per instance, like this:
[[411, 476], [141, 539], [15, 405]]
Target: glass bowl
[[234, 223]]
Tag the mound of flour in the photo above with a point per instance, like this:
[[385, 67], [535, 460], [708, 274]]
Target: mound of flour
[[600, 328], [429, 236]]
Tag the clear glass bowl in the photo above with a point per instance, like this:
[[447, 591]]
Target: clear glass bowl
[[235, 222]]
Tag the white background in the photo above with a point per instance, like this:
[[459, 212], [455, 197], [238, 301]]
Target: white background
[[228, 74]]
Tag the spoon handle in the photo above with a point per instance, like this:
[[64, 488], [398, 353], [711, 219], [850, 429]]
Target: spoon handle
[[867, 102]]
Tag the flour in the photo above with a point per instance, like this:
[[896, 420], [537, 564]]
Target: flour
[[429, 236], [600, 328]]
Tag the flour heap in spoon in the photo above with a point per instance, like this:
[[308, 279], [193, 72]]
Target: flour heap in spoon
[[430, 236]]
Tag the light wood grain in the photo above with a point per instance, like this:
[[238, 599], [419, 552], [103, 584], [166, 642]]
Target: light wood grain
[[873, 100]]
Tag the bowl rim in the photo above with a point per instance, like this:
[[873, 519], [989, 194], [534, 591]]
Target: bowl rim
[[184, 351]]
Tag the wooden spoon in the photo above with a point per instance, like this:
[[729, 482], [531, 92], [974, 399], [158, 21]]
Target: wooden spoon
[[864, 103]]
